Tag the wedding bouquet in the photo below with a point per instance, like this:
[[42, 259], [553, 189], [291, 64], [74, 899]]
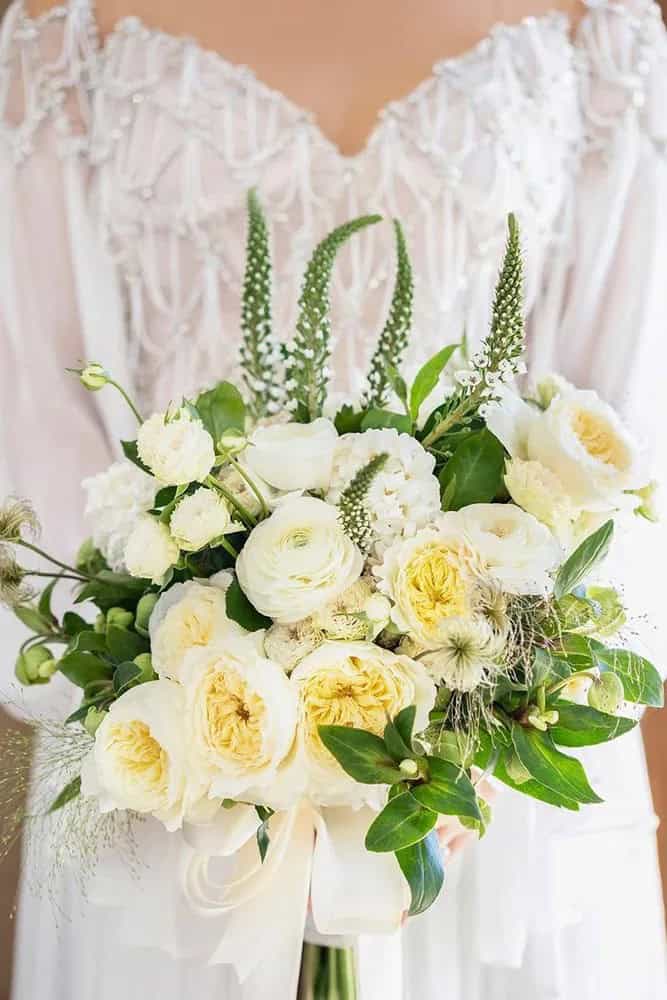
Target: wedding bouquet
[[315, 636]]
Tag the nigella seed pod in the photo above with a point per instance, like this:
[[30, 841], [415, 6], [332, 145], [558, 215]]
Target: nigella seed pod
[[606, 694]]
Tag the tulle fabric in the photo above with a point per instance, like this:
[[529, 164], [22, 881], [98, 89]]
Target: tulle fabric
[[123, 170]]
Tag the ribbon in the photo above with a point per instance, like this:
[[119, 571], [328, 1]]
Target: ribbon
[[316, 854]]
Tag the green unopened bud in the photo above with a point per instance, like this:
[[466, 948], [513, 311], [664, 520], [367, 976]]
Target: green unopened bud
[[550, 387], [551, 717], [649, 507], [233, 442], [144, 612], [94, 718], [145, 662], [516, 770], [606, 694], [28, 665], [48, 669], [89, 558], [408, 767], [94, 377], [120, 617], [537, 720], [100, 625]]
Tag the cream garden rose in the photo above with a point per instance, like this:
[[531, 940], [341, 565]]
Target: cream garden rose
[[200, 519], [514, 547], [540, 492], [353, 684], [138, 761], [150, 550], [189, 616], [431, 579], [176, 447], [298, 560], [293, 456], [240, 722]]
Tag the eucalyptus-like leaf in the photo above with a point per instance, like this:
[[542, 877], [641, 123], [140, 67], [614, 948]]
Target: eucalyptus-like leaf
[[583, 560], [402, 823], [423, 868], [476, 469], [564, 775]]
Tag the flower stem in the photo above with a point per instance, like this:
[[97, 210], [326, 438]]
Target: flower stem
[[55, 576], [127, 399], [51, 559], [228, 547], [238, 506], [253, 486]]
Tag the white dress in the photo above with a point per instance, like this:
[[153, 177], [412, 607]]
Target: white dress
[[123, 173]]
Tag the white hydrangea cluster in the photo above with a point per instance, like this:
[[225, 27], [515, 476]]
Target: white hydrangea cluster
[[404, 495], [115, 499]]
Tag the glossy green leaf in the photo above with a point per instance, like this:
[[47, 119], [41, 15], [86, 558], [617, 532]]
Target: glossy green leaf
[[551, 768], [221, 409], [583, 560], [476, 468], [398, 734], [130, 451], [32, 619], [125, 675], [44, 603], [402, 823], [362, 755], [124, 644], [423, 868], [428, 377], [240, 610], [348, 420], [448, 790], [385, 418], [81, 668], [69, 792], [641, 681], [582, 726], [73, 624]]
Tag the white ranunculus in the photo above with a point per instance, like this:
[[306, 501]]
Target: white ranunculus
[[355, 684], [201, 518], [138, 761], [176, 447], [431, 579], [514, 547], [115, 499], [579, 438], [240, 723], [293, 456], [298, 560], [191, 615], [404, 495], [150, 550]]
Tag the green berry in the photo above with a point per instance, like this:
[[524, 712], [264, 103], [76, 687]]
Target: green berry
[[100, 625], [606, 694], [144, 612], [120, 617]]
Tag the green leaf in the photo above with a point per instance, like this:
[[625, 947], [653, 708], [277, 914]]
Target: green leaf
[[385, 418], [89, 642], [108, 590], [398, 747], [531, 787], [583, 560], [583, 726], [546, 666], [476, 467], [81, 712], [362, 755], [124, 644], [405, 723], [44, 603], [32, 619], [424, 872], [428, 377], [642, 683], [240, 610], [71, 791], [550, 767], [73, 624], [124, 676], [448, 790], [348, 420], [130, 451], [221, 409], [402, 823], [82, 668], [576, 650], [397, 383]]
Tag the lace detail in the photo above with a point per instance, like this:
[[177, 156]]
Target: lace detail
[[175, 135]]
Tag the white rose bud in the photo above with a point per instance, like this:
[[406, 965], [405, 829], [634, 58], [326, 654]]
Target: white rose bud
[[176, 447], [94, 377], [293, 456], [199, 519], [150, 551], [298, 560]]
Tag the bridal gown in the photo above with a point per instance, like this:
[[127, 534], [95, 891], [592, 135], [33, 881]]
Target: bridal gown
[[124, 165]]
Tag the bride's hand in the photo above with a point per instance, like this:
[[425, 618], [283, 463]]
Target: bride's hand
[[452, 834]]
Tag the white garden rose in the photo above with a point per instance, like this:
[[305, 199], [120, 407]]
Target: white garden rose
[[201, 518], [579, 438], [514, 547], [298, 560], [176, 447], [354, 684], [404, 495], [293, 456], [115, 499], [189, 616], [431, 579], [138, 761], [150, 550], [240, 722], [540, 492]]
